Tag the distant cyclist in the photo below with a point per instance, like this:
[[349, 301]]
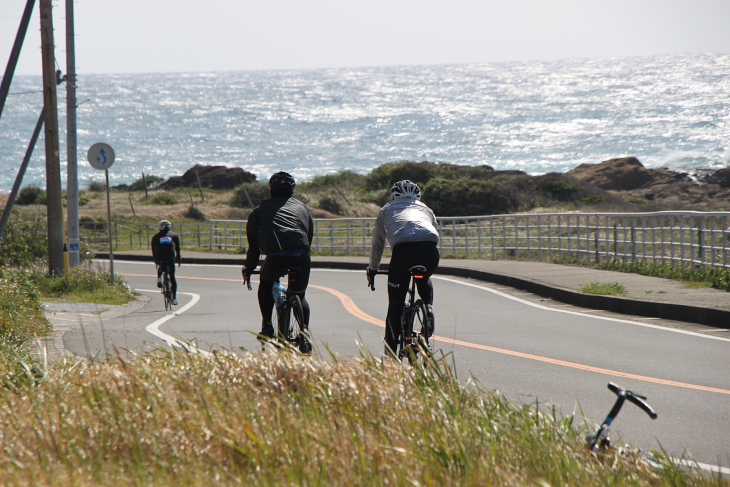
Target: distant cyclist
[[281, 227], [411, 228], [166, 251]]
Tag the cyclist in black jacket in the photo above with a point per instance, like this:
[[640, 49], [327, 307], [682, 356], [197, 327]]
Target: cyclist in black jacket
[[166, 251], [281, 227]]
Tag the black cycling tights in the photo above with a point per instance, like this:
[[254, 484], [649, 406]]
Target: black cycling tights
[[405, 256], [171, 273], [271, 270]]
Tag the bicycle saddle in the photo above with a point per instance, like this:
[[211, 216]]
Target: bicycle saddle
[[417, 269]]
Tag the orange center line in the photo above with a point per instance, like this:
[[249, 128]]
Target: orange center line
[[353, 309]]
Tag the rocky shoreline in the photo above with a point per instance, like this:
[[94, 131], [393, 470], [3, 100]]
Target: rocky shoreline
[[627, 178], [623, 182]]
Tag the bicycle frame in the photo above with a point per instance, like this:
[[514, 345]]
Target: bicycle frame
[[600, 440]]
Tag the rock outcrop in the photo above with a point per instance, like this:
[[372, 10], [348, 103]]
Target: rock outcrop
[[628, 178], [215, 177]]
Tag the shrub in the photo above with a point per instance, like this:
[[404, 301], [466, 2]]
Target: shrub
[[256, 191], [162, 199], [342, 179], [330, 203], [422, 172], [194, 214], [83, 200], [21, 313], [31, 195], [464, 197], [96, 187], [592, 199], [152, 181], [23, 243]]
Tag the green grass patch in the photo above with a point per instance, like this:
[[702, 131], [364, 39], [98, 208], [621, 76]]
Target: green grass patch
[[85, 284], [21, 312], [716, 277], [611, 288], [282, 419]]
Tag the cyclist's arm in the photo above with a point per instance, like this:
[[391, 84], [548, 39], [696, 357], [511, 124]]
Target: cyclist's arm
[[378, 241], [153, 246], [176, 241], [252, 236], [310, 231]]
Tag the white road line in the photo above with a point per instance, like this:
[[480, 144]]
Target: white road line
[[577, 313], [154, 328]]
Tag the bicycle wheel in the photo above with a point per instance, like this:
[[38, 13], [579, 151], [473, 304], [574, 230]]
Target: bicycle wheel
[[302, 339], [415, 333], [166, 291], [283, 322], [406, 323]]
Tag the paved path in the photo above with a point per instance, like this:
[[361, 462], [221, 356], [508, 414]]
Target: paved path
[[522, 344]]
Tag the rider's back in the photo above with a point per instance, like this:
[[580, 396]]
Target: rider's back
[[282, 224]]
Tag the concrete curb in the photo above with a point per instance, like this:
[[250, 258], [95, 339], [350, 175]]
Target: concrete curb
[[714, 317]]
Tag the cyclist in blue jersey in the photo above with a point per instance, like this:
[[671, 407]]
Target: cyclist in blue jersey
[[412, 230], [281, 227], [165, 252]]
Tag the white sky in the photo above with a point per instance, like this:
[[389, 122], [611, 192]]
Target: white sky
[[138, 36]]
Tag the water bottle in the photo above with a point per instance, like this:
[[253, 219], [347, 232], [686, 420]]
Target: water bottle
[[279, 294]]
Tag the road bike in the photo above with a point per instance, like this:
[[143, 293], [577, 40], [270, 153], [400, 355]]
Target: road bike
[[166, 289], [600, 441], [415, 343], [288, 317]]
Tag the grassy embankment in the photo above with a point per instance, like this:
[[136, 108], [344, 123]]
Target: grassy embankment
[[283, 419]]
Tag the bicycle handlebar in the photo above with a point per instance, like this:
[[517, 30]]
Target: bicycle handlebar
[[632, 397]]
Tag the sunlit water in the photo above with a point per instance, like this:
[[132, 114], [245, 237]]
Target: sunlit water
[[538, 117]]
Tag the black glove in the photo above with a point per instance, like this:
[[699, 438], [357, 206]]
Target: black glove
[[371, 277], [246, 276]]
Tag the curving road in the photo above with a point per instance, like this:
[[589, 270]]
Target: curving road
[[514, 344]]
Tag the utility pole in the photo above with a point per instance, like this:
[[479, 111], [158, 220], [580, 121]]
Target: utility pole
[[72, 184], [53, 166]]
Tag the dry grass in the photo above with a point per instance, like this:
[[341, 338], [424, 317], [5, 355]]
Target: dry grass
[[282, 419]]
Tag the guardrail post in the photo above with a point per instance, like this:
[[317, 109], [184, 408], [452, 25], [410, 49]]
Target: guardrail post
[[316, 234], [479, 238], [491, 235], [332, 237], [723, 224], [348, 236], [466, 237]]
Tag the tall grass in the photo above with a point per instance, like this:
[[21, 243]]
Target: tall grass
[[281, 419]]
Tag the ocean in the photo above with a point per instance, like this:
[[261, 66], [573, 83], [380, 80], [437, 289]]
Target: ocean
[[538, 117]]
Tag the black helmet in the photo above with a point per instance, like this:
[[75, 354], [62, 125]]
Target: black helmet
[[282, 180]]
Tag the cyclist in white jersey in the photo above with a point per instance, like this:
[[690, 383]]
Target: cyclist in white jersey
[[412, 231]]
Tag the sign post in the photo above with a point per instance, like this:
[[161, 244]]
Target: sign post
[[101, 157]]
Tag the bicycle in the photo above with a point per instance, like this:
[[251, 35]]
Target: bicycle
[[166, 289], [600, 441], [415, 340], [287, 305]]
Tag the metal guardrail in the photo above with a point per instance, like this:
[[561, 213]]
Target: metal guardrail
[[675, 238]]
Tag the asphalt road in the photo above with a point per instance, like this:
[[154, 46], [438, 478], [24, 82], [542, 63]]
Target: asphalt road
[[506, 342]]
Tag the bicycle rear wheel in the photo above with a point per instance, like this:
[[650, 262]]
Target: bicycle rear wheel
[[282, 321], [415, 333], [301, 339], [167, 293]]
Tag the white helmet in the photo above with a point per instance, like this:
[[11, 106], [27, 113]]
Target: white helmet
[[164, 225], [405, 188]]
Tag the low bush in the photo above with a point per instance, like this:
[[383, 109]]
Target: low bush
[[151, 180], [331, 204], [24, 242], [31, 195], [465, 197], [257, 192], [194, 214], [165, 199], [96, 187], [21, 312], [85, 283]]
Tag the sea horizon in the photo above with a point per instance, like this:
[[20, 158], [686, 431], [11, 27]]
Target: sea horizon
[[535, 116]]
